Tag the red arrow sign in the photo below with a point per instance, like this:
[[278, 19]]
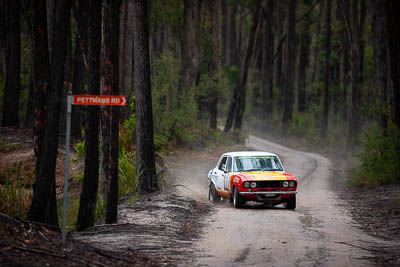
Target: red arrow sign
[[99, 100]]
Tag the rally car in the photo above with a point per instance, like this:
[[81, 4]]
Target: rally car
[[252, 176]]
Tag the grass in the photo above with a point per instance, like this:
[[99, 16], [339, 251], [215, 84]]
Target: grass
[[15, 190], [7, 147], [73, 211]]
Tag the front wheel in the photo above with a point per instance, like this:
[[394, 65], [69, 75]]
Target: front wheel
[[212, 194], [237, 199], [291, 203]]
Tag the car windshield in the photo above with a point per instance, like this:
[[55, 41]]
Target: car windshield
[[256, 163]]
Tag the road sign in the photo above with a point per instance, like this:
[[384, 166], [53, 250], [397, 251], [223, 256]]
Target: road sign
[[99, 100], [91, 100]]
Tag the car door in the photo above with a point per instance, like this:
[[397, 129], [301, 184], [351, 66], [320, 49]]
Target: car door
[[227, 174], [220, 173]]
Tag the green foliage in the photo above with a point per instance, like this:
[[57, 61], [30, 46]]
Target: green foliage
[[80, 149], [72, 211], [207, 86], [100, 208], [379, 158], [80, 176], [126, 174], [173, 112], [127, 135]]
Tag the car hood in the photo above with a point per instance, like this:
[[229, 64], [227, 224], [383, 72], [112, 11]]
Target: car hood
[[264, 176]]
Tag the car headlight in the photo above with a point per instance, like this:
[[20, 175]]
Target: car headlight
[[253, 184], [292, 184], [246, 184], [285, 184]]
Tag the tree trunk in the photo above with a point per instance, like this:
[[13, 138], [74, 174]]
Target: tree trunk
[[165, 37], [267, 68], [279, 25], [344, 61], [81, 16], [317, 46], [79, 71], [213, 97], [13, 66], [111, 69], [289, 66], [43, 207], [78, 85], [30, 115], [363, 13], [392, 26], [354, 122], [107, 83], [88, 198], [233, 56], [257, 59], [224, 32], [241, 41], [241, 101], [145, 159], [125, 54], [380, 59], [238, 101], [305, 40], [51, 27], [325, 112], [67, 85], [3, 36], [41, 76], [189, 51]]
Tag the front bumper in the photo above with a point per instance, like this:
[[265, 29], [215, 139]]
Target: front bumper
[[269, 193]]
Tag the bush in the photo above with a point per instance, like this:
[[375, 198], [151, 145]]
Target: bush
[[379, 158]]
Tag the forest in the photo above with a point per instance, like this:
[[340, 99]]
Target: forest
[[196, 73]]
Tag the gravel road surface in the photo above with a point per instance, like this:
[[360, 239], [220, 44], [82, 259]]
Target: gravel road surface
[[320, 232]]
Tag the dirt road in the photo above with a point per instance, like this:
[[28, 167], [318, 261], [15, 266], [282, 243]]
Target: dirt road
[[319, 232]]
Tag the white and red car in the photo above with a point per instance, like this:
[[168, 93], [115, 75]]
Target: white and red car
[[252, 176]]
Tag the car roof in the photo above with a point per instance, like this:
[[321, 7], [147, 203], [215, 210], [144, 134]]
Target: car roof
[[249, 153]]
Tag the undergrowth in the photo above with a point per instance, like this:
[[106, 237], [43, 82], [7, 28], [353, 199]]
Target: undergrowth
[[379, 159], [304, 132], [15, 189], [7, 148]]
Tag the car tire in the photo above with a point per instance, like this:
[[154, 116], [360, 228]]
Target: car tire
[[212, 194], [237, 199], [291, 203]]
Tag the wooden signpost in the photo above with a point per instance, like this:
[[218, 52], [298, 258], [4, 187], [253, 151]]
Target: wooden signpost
[[91, 100]]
